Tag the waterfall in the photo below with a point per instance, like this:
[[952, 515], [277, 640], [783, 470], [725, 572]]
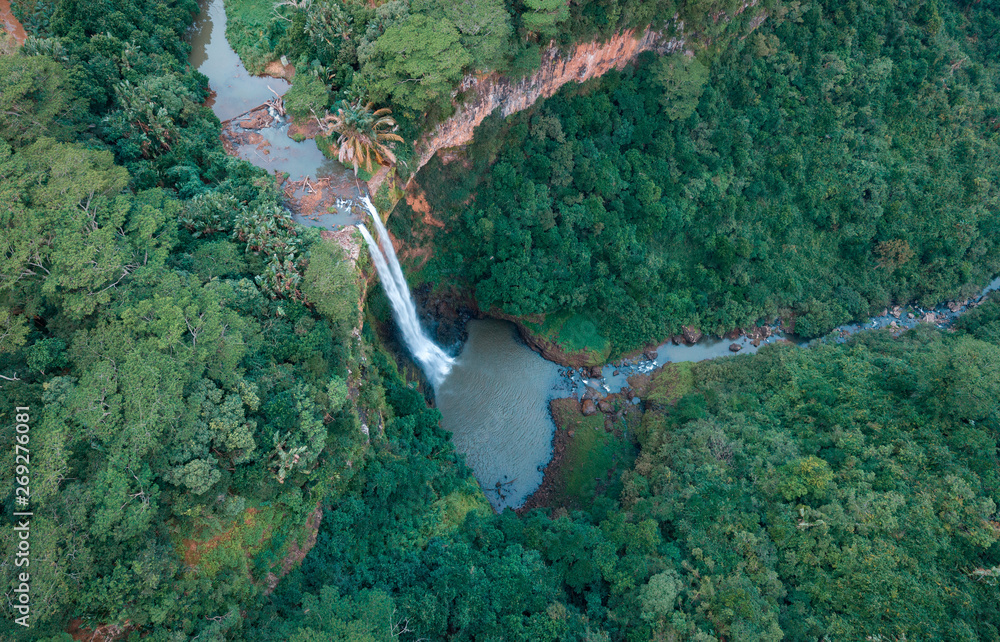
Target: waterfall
[[435, 362]]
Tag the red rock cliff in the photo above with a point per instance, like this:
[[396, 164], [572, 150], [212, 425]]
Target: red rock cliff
[[493, 90]]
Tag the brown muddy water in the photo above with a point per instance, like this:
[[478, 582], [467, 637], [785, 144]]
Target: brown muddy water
[[238, 91], [495, 403]]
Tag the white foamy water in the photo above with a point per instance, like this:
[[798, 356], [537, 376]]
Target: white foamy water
[[435, 363]]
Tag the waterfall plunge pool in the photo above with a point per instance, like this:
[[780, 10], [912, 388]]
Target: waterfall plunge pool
[[495, 402]]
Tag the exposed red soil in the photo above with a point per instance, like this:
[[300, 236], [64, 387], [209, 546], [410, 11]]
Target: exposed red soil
[[417, 201], [11, 24], [103, 633], [313, 198], [306, 128], [194, 549], [276, 70]]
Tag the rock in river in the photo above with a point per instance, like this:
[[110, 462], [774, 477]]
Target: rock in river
[[735, 347], [691, 335], [588, 408]]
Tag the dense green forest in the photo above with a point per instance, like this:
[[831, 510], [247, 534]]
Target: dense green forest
[[411, 55], [830, 164], [200, 394]]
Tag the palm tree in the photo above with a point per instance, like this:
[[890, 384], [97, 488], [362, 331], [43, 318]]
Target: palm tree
[[365, 136]]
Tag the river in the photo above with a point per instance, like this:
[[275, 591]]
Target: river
[[236, 91], [495, 400]]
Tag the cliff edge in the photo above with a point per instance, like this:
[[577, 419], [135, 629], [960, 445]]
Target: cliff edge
[[492, 91]]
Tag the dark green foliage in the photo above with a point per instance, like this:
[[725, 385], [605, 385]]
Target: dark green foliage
[[983, 322], [307, 96], [196, 391], [826, 487], [683, 80], [411, 55], [415, 63], [165, 479], [820, 174], [544, 16], [331, 283], [37, 100]]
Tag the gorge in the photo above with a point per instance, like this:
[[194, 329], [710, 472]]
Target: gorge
[[658, 357], [496, 403]]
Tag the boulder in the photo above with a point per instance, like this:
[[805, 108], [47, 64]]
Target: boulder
[[651, 355], [929, 318], [755, 343], [605, 405], [691, 335], [677, 339], [735, 347], [591, 393], [595, 372], [614, 374], [588, 407], [896, 311], [734, 334]]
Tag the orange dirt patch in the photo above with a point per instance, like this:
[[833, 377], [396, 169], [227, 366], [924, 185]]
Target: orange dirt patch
[[416, 256], [103, 633], [307, 128], [11, 24], [313, 198], [276, 70], [194, 550], [417, 201]]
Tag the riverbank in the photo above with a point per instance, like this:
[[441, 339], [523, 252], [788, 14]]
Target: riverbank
[[593, 444], [318, 190]]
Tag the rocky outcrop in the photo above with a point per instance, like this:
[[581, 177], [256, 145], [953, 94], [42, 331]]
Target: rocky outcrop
[[691, 335], [488, 92]]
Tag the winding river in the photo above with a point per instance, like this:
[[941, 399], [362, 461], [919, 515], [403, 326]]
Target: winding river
[[495, 400], [236, 91]]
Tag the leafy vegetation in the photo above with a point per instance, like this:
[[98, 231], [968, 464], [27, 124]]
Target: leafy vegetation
[[219, 452], [188, 402], [846, 490], [831, 164], [363, 136]]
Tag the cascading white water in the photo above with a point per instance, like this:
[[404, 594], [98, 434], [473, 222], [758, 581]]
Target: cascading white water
[[434, 361]]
